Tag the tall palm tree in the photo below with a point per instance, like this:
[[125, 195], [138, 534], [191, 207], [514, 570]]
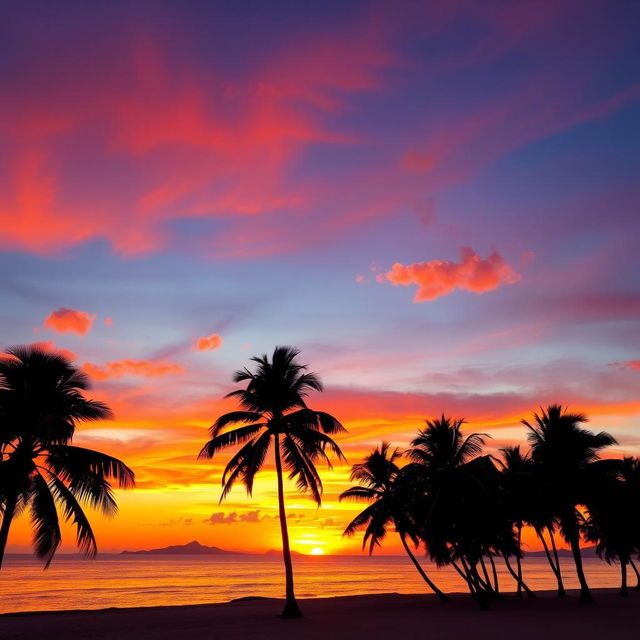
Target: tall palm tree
[[381, 482], [614, 516], [274, 412], [451, 476], [565, 454], [41, 402], [516, 480]]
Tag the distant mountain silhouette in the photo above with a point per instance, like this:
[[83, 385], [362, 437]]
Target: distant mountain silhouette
[[191, 548]]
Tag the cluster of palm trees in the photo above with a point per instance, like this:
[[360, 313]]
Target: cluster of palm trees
[[463, 508], [467, 510], [41, 403]]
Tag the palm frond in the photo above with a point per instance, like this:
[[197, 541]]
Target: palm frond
[[73, 512], [73, 462], [230, 439], [357, 493], [301, 468], [44, 516]]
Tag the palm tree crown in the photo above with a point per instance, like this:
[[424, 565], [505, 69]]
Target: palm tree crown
[[41, 402]]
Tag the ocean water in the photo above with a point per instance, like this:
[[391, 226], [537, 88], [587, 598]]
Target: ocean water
[[133, 581]]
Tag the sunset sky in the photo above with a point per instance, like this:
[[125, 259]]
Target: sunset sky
[[437, 202]]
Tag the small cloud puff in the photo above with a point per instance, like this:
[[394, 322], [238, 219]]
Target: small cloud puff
[[439, 278], [69, 321], [208, 343]]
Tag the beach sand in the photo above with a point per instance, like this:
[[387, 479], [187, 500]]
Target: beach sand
[[389, 617]]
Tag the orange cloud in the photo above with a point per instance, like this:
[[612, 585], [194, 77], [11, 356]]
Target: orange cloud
[[208, 343], [140, 368], [50, 347], [440, 278], [627, 364], [69, 321]]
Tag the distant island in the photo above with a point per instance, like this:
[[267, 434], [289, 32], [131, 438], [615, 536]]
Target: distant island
[[193, 548]]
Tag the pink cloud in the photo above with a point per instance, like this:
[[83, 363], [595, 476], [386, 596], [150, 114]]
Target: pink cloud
[[439, 278], [634, 365], [69, 321], [208, 343], [108, 321], [140, 368], [360, 279]]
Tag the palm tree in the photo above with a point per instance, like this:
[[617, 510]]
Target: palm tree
[[381, 482], [451, 476], [565, 454], [41, 402], [613, 516], [516, 481], [274, 412]]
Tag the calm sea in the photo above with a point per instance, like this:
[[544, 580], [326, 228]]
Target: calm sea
[[130, 581]]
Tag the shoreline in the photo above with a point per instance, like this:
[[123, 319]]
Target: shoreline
[[344, 618]]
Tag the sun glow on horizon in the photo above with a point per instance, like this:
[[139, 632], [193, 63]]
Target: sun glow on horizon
[[316, 551]]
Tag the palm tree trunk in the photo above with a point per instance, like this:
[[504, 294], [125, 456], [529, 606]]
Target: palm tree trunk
[[442, 596], [519, 561], [518, 578], [464, 575], [9, 510], [556, 570], [623, 572], [555, 551], [487, 581], [496, 586], [481, 588], [291, 609], [570, 526], [635, 570]]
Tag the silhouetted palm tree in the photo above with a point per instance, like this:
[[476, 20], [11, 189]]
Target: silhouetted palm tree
[[41, 402], [381, 483], [274, 413], [564, 454], [517, 481], [455, 504], [614, 516]]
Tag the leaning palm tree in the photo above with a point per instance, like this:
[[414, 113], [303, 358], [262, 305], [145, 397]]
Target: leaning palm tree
[[445, 464], [566, 457], [381, 483], [274, 412], [41, 402]]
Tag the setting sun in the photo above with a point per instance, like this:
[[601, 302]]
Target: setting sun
[[316, 551]]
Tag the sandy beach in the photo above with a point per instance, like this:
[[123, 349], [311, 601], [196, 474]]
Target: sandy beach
[[345, 618]]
